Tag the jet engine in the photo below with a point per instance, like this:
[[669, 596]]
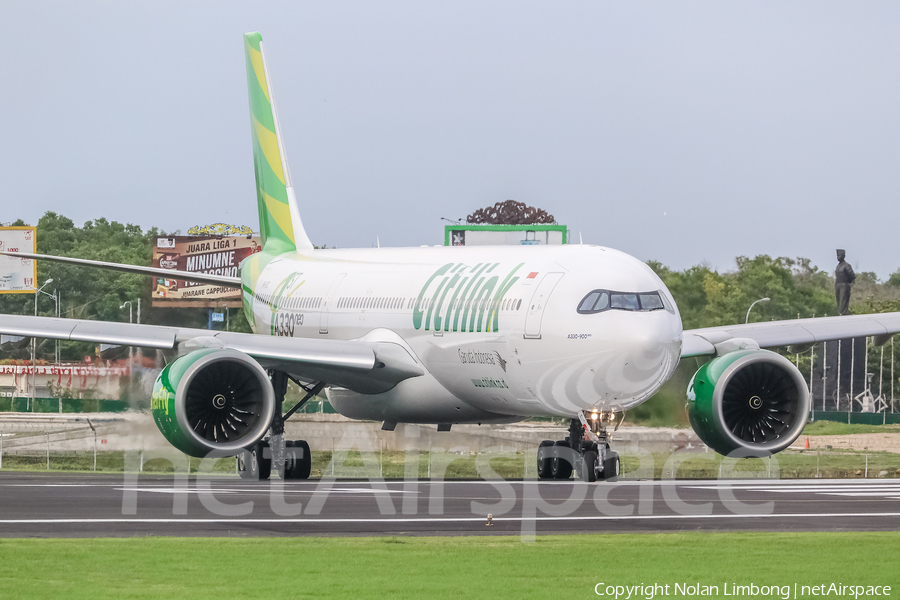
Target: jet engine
[[213, 401], [753, 401]]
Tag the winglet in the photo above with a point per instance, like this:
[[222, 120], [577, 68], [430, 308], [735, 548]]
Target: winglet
[[279, 219]]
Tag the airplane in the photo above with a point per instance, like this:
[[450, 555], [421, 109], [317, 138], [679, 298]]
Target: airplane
[[449, 335]]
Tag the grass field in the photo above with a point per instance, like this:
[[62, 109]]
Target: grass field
[[834, 428], [464, 567], [393, 465]]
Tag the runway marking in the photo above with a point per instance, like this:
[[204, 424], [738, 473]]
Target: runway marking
[[174, 491], [194, 490], [59, 484], [888, 491], [452, 519]]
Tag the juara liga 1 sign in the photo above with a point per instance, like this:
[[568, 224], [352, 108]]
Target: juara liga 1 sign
[[203, 254]]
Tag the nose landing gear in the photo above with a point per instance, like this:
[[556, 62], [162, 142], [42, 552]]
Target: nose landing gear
[[586, 451]]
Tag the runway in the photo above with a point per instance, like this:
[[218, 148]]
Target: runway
[[62, 505]]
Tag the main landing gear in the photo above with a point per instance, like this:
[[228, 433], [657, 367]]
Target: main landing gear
[[585, 451], [291, 458]]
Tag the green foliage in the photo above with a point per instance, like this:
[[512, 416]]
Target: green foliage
[[98, 294], [796, 289], [894, 279], [834, 428], [707, 298]]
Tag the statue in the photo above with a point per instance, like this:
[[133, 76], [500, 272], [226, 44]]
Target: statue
[[843, 279], [510, 213]]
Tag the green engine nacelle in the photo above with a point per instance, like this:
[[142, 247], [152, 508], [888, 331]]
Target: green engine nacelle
[[752, 401], [213, 402]]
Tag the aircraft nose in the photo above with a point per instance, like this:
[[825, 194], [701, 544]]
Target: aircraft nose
[[645, 352], [651, 339]]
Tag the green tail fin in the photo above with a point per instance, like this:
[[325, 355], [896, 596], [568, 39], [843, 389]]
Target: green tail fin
[[279, 219]]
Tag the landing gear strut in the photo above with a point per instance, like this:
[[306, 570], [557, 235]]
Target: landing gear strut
[[586, 451], [291, 458]]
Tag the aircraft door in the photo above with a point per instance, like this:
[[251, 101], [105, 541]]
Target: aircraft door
[[329, 301], [538, 303]]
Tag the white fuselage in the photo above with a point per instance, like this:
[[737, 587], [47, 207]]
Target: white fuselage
[[496, 327]]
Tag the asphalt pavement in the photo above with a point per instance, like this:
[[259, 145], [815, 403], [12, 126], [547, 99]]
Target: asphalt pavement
[[81, 505]]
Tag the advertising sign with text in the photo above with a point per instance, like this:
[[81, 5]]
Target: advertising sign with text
[[211, 255], [17, 275]]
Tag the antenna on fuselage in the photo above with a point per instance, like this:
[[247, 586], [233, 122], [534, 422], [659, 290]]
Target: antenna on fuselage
[[580, 240]]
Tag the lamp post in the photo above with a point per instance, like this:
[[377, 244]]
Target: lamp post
[[128, 302], [130, 348], [55, 297], [37, 292], [747, 320]]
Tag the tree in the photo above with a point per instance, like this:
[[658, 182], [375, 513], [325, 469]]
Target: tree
[[85, 292], [894, 279]]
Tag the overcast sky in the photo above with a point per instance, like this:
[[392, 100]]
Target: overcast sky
[[677, 131]]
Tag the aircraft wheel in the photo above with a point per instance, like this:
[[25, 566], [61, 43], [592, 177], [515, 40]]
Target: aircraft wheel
[[298, 460], [589, 466], [252, 465], [560, 463], [611, 466], [543, 459], [289, 459]]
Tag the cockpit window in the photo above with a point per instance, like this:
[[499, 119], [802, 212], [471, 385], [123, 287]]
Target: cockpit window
[[594, 302], [624, 301], [601, 300], [588, 303], [651, 301], [665, 300]]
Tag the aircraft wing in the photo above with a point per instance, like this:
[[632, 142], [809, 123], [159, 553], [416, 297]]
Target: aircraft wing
[[363, 366], [710, 341], [222, 280]]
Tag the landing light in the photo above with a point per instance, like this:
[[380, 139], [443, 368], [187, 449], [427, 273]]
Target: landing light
[[594, 416]]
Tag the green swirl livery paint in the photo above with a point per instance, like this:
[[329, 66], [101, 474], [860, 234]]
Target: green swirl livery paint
[[701, 401], [162, 403], [285, 290], [474, 300]]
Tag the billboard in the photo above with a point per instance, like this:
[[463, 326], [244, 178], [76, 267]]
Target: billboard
[[199, 254], [17, 275], [503, 235]]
